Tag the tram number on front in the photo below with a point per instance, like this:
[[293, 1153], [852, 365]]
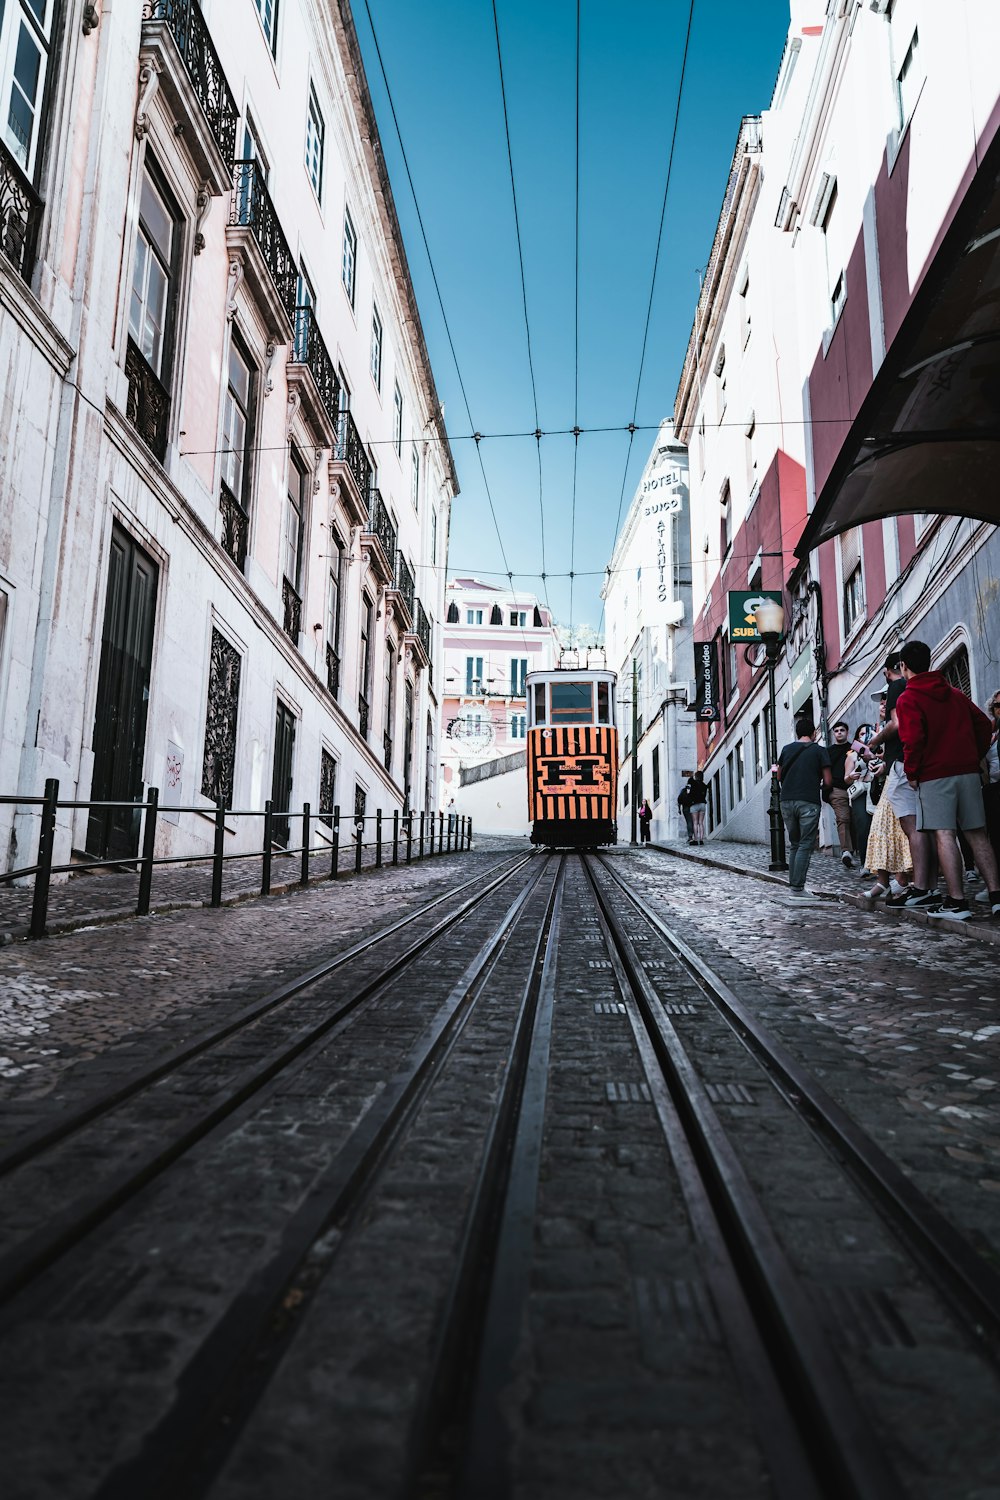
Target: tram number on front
[[558, 775]]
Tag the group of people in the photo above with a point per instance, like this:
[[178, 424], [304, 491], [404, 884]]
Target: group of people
[[921, 795]]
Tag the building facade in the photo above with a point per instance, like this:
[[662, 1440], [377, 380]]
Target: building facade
[[830, 253], [647, 611], [225, 493], [493, 638]]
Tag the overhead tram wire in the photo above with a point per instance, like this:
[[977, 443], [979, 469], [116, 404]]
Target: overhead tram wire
[[477, 436], [524, 304], [656, 264], [576, 336]]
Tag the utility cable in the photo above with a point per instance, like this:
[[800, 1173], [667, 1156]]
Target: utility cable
[[576, 335]]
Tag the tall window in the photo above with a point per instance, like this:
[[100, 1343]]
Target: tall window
[[268, 12], [853, 582], [151, 275], [725, 520], [237, 425], [745, 309], [376, 358], [656, 773], [907, 68], [24, 56], [304, 297], [397, 419], [327, 787], [758, 755], [367, 622], [741, 772], [390, 700], [219, 759], [315, 136], [518, 724], [334, 590], [434, 536], [407, 735], [473, 674], [294, 518], [518, 673], [826, 214], [415, 486], [349, 268]]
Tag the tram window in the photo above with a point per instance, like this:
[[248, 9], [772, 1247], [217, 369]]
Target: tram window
[[572, 703], [603, 703], [539, 702]]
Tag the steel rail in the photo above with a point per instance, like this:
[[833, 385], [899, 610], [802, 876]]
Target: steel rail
[[481, 1315], [848, 1456], [971, 1285], [44, 1245], [217, 1391], [32, 1142]]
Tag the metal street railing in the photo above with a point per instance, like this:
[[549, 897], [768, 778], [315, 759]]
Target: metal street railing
[[409, 833]]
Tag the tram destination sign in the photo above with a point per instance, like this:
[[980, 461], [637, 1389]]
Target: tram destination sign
[[742, 605]]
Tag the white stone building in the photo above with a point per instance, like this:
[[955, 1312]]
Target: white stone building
[[225, 483], [493, 637], [647, 611]]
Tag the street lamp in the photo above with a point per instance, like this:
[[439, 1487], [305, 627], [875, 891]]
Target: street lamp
[[770, 617]]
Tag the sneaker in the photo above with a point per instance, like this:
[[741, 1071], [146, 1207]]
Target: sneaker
[[898, 897], [865, 874], [982, 896], [802, 897], [924, 899], [954, 911], [846, 861]]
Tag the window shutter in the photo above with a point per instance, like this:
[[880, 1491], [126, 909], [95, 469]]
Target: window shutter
[[850, 551]]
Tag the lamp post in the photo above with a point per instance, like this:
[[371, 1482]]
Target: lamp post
[[770, 618], [635, 749]]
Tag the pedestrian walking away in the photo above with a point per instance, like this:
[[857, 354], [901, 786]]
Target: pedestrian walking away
[[698, 797], [645, 818], [945, 740], [802, 768]]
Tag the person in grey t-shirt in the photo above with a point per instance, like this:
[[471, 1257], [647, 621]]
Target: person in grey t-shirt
[[803, 767]]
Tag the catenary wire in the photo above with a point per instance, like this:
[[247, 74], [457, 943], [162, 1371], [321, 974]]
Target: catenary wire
[[524, 301], [576, 335]]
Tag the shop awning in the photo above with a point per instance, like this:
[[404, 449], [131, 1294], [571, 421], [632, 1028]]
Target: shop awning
[[927, 437]]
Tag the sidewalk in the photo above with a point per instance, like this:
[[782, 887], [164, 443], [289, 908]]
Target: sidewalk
[[828, 878]]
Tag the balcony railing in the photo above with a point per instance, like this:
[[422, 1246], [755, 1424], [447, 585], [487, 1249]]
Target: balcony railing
[[235, 526], [148, 407], [380, 525], [189, 31], [332, 671], [309, 349], [252, 209], [405, 582], [387, 749], [351, 451], [291, 622], [422, 630], [20, 213], [363, 715]]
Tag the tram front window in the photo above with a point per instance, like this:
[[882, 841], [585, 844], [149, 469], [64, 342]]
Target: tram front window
[[572, 703]]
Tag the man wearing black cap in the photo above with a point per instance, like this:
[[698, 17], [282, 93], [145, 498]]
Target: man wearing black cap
[[902, 797]]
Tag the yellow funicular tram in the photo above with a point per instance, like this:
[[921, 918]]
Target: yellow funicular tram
[[572, 755]]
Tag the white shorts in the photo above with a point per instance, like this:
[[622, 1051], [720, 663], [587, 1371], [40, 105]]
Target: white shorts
[[902, 797]]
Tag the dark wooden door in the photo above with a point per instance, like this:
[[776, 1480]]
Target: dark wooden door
[[122, 698], [281, 780]]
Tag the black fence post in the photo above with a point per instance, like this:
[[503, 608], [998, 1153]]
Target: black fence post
[[395, 835], [220, 847], [451, 823], [422, 817], [360, 825], [335, 854], [378, 836], [148, 847], [409, 837], [468, 833], [306, 835], [440, 832], [46, 844], [265, 873]]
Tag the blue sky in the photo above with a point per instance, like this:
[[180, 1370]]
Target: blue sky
[[441, 62]]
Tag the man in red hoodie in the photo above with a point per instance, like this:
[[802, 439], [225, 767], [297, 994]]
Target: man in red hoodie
[[945, 737]]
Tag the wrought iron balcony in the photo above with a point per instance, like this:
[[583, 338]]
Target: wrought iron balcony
[[405, 582], [332, 671], [252, 209], [20, 214], [387, 748], [235, 526], [379, 526], [291, 622], [194, 43], [423, 630], [363, 715], [309, 349], [351, 467], [148, 406]]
